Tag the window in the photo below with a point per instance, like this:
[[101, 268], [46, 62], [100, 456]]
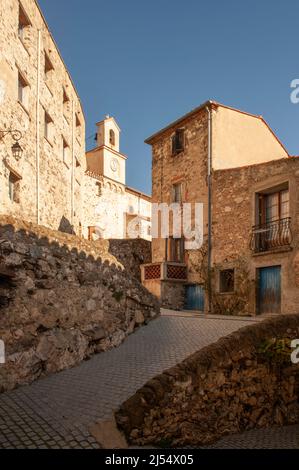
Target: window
[[78, 123], [66, 152], [24, 23], [65, 97], [78, 171], [274, 206], [48, 127], [175, 250], [273, 222], [23, 91], [94, 233], [112, 137], [66, 105], [14, 187], [48, 67], [78, 128], [99, 189], [178, 141], [227, 281], [177, 192]]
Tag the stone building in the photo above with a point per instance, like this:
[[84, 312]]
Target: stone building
[[111, 208], [38, 98], [233, 163], [54, 178]]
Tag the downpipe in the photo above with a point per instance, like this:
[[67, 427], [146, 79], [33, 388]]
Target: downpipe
[[209, 177]]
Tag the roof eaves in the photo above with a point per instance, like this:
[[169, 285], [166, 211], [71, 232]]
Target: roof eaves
[[150, 139]]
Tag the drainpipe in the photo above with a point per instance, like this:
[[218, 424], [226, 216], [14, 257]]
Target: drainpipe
[[38, 127], [209, 207], [73, 167]]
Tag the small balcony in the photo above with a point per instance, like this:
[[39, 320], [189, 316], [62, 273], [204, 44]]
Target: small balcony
[[271, 236], [164, 271]]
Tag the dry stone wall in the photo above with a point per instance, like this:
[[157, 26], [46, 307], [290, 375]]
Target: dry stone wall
[[131, 253], [227, 387], [62, 299]]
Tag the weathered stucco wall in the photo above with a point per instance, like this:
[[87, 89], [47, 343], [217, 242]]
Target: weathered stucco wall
[[59, 178], [109, 206], [62, 299], [227, 387], [241, 139], [103, 201]]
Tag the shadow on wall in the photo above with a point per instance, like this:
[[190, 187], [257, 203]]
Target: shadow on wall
[[63, 299], [65, 226], [131, 253]]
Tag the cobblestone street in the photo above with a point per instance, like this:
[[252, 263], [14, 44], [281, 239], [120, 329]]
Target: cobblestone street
[[286, 437], [57, 411]]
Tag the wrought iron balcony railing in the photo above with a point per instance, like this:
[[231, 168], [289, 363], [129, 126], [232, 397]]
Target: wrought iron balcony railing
[[267, 237]]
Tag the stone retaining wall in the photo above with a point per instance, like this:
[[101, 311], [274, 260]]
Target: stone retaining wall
[[225, 388], [131, 254], [62, 299]]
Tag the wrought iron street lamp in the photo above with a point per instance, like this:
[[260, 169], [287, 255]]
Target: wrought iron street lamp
[[16, 149]]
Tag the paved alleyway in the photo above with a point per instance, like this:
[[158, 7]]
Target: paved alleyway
[[56, 411], [286, 437]]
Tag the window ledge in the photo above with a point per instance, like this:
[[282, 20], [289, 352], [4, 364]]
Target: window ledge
[[176, 154], [227, 293], [24, 45], [24, 108], [66, 119], [49, 89], [48, 141]]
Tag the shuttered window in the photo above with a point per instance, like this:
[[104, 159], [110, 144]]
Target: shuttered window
[[274, 206], [175, 250], [178, 141]]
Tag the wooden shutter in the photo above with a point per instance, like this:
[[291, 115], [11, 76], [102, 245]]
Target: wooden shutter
[[173, 143]]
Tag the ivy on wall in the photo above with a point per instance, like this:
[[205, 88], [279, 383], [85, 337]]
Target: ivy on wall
[[232, 303]]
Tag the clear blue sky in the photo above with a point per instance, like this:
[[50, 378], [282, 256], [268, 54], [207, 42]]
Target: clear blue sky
[[147, 62]]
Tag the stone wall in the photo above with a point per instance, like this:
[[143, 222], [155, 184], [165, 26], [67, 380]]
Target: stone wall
[[170, 294], [44, 174], [173, 295], [62, 299], [110, 205], [234, 199], [188, 168], [131, 254], [102, 200], [227, 387]]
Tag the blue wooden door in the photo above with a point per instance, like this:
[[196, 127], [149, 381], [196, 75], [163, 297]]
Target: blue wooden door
[[195, 298], [269, 290]]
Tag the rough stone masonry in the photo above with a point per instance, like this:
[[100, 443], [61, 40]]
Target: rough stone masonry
[[225, 388], [62, 299]]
